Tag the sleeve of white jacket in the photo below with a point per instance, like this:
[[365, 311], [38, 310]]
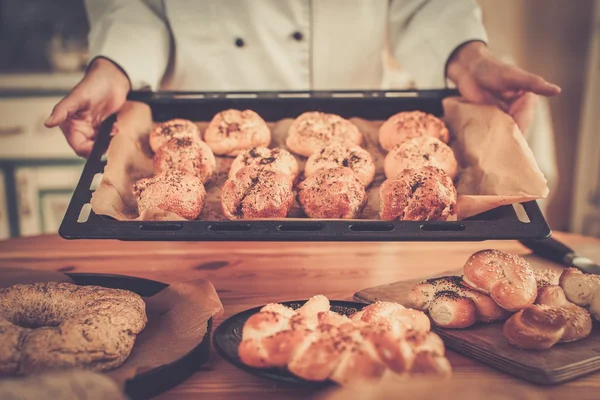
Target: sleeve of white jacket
[[424, 33], [132, 35]]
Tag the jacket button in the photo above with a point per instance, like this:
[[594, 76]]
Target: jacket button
[[298, 36], [239, 42]]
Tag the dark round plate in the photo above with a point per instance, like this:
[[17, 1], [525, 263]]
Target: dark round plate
[[160, 379], [228, 335]]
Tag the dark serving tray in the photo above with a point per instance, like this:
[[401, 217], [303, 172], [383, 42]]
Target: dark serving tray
[[228, 336], [160, 379], [500, 223]]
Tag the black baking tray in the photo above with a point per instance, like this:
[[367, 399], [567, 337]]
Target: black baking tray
[[160, 379], [498, 224]]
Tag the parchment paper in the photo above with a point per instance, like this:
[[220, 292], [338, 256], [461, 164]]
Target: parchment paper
[[177, 320], [497, 166]]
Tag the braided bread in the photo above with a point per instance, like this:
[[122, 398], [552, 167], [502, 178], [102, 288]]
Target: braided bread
[[317, 344]]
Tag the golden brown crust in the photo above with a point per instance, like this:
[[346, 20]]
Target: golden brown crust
[[410, 124], [418, 195], [332, 346], [232, 132], [171, 191], [191, 157], [61, 325], [332, 193], [312, 131], [508, 278], [415, 153], [276, 159], [444, 298], [255, 192], [173, 129], [354, 157]]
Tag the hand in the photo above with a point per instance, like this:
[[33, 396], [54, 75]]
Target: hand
[[100, 93], [482, 78]]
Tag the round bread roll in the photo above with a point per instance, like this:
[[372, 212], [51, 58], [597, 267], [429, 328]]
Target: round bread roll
[[55, 325], [332, 193], [354, 157], [274, 159], [173, 192], [173, 129], [312, 131], [417, 152], [256, 192], [506, 277], [418, 195], [191, 157], [232, 132], [410, 124]]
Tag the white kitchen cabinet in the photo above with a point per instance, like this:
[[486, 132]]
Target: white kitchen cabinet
[[43, 194]]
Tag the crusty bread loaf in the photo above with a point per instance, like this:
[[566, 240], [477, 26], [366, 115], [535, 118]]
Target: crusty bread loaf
[[312, 131], [276, 159], [232, 132], [415, 153], [332, 193], [508, 278], [427, 194], [409, 124], [551, 320], [46, 326], [256, 192], [173, 129], [171, 191], [191, 157], [351, 156]]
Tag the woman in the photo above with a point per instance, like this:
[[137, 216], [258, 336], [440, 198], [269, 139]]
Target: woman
[[235, 45]]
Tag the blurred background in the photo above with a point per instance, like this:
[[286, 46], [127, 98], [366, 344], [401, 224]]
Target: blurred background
[[43, 54]]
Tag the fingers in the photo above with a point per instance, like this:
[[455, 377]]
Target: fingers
[[516, 79], [81, 135], [67, 107], [522, 110]]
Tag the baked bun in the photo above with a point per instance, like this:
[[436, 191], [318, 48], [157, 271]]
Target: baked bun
[[173, 129], [256, 192], [582, 289], [191, 157], [232, 132], [427, 194], [312, 131], [173, 192], [409, 124], [354, 157], [276, 159], [453, 305], [332, 193], [417, 152], [578, 319], [508, 278], [51, 326]]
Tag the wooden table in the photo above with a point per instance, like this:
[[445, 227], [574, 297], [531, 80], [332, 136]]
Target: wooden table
[[252, 274]]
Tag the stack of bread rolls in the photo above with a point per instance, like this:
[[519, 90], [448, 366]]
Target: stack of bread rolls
[[419, 167], [183, 164], [317, 344], [497, 286]]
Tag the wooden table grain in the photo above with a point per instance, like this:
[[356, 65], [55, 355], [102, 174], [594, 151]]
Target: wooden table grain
[[254, 273]]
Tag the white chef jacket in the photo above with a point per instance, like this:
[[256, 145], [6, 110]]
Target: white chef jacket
[[235, 45]]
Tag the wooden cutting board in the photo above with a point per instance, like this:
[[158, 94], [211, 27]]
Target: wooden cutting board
[[486, 343]]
